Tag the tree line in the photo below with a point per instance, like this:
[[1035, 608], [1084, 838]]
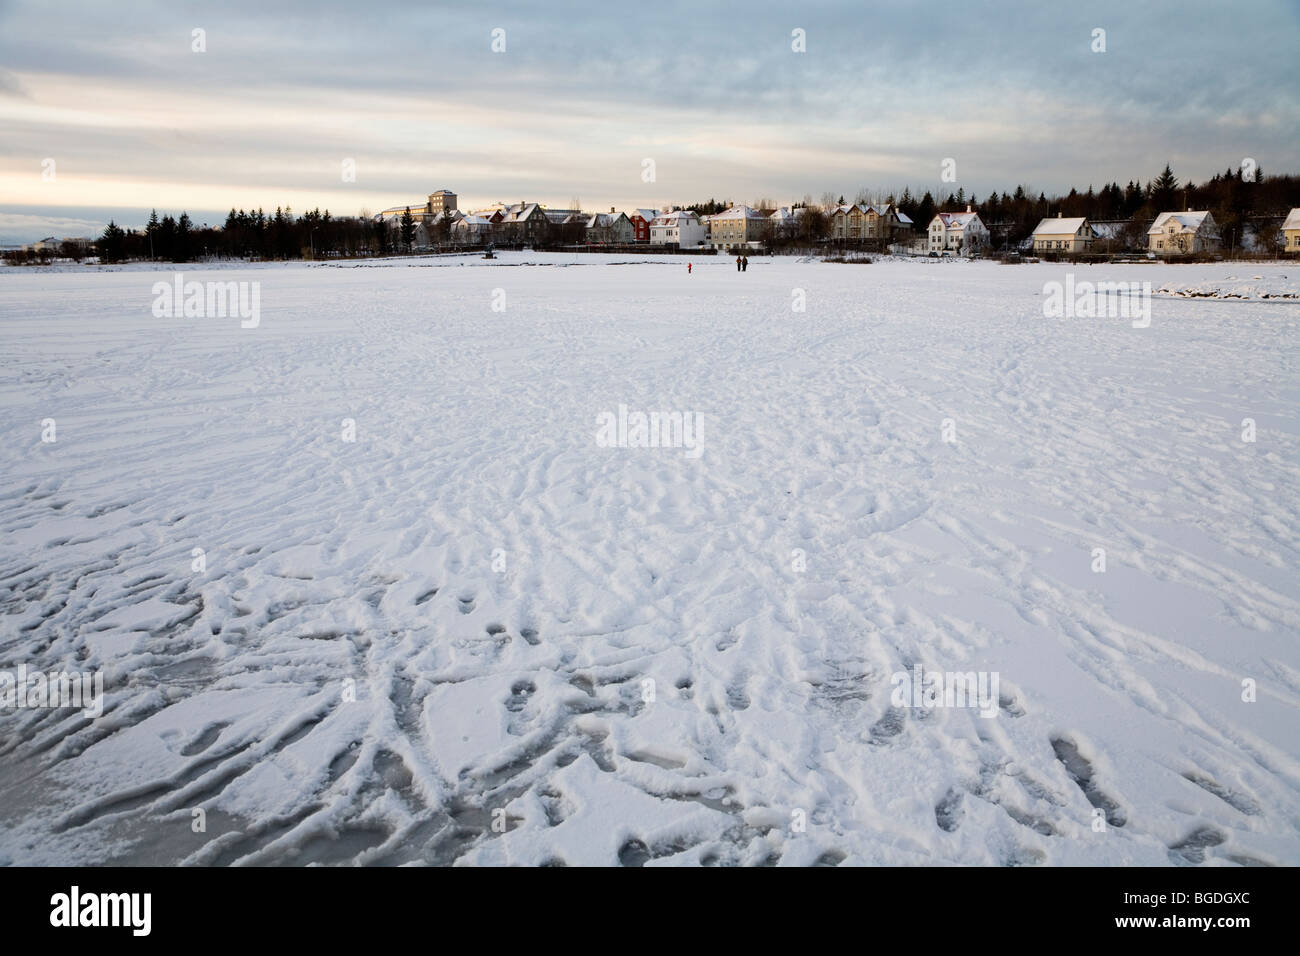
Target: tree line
[[248, 235], [1235, 197]]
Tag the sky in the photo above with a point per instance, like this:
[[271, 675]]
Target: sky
[[108, 109]]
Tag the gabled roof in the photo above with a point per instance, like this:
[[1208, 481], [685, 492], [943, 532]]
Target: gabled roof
[[675, 218], [957, 220], [1185, 221], [519, 212], [646, 214], [1292, 219], [1061, 227], [786, 214], [888, 210], [739, 212]]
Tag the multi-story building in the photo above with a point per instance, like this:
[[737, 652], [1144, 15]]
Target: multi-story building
[[641, 219], [957, 232], [681, 228], [861, 222], [522, 222], [472, 229], [608, 227], [846, 223], [442, 200], [737, 226], [785, 222], [1183, 233]]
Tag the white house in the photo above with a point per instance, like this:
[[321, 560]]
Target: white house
[[957, 232], [1063, 235], [1180, 233], [785, 221], [472, 229], [681, 228]]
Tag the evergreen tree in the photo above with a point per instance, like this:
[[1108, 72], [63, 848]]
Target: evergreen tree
[[408, 230], [112, 244], [924, 211], [151, 231], [1163, 190], [183, 237]]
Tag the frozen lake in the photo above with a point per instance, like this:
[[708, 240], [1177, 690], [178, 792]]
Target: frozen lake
[[378, 581]]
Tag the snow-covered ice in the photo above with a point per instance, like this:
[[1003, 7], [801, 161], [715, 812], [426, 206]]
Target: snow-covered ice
[[477, 635]]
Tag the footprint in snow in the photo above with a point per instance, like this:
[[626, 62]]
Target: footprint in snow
[[1080, 771], [1190, 850], [948, 811]]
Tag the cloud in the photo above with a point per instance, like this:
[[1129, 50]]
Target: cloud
[[583, 92]]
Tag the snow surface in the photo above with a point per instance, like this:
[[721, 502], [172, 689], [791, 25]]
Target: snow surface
[[374, 569]]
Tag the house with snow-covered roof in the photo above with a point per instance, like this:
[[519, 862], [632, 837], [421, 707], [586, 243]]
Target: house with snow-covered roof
[[1183, 233], [738, 226], [472, 229], [785, 221], [523, 222], [641, 219], [1291, 231], [1063, 235], [846, 222], [609, 227], [884, 222], [957, 232], [681, 228], [869, 222]]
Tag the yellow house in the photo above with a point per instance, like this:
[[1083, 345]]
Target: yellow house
[[1063, 235], [1178, 233], [737, 226], [1291, 231], [847, 222], [862, 221]]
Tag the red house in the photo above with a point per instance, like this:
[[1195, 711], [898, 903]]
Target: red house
[[640, 219]]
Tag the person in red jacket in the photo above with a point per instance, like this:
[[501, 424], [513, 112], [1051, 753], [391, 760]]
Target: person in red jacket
[[688, 268]]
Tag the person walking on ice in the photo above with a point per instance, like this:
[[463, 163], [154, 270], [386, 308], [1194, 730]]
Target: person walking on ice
[[688, 268], [737, 263]]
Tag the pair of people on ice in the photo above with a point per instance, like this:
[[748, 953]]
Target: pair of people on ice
[[742, 263]]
